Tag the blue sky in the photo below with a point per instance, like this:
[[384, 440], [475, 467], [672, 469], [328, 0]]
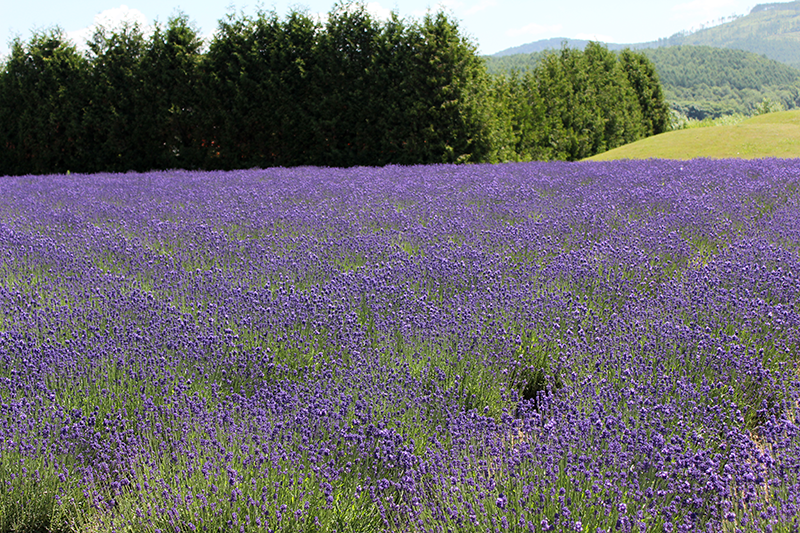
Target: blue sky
[[492, 24]]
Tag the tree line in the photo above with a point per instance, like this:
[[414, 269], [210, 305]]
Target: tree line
[[271, 91]]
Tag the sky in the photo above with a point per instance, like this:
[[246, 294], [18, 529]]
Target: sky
[[493, 25]]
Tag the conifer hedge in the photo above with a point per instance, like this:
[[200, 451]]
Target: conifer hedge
[[271, 91]]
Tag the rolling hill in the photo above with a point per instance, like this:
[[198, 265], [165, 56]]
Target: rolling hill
[[770, 135]]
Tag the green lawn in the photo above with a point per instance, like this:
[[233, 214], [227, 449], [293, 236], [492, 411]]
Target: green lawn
[[770, 135]]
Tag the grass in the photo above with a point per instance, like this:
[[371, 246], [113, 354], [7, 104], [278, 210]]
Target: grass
[[769, 135]]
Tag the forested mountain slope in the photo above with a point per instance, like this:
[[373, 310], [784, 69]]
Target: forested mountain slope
[[700, 81], [770, 29]]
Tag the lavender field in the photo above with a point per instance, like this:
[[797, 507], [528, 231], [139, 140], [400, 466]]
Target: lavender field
[[522, 347]]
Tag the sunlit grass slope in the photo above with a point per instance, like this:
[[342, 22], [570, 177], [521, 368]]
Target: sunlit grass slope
[[770, 135]]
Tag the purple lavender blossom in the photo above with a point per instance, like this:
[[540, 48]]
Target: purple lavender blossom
[[543, 346]]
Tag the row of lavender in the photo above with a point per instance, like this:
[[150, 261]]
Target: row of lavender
[[524, 347]]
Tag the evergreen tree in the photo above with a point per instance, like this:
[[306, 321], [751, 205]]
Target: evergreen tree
[[293, 91], [590, 106], [350, 105], [264, 92], [171, 111], [116, 129], [521, 116], [42, 94], [643, 78], [450, 109]]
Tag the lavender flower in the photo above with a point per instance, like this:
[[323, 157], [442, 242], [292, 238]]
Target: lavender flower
[[542, 346]]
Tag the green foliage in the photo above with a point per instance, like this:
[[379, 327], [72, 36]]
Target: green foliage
[[589, 102], [726, 69], [114, 123], [688, 66], [504, 65], [698, 82], [521, 110], [131, 104], [350, 103], [173, 85], [294, 91], [570, 104], [680, 122], [41, 90], [263, 93], [703, 82], [644, 80], [448, 97], [351, 92], [768, 106]]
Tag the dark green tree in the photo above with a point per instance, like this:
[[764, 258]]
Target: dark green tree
[[350, 105], [643, 78], [616, 103], [566, 118], [590, 106], [293, 91], [392, 94], [451, 111], [42, 95], [521, 115], [117, 130], [263, 97], [170, 112]]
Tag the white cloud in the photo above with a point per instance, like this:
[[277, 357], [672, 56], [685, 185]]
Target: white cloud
[[533, 29], [477, 8], [110, 19], [375, 9], [595, 37], [378, 11]]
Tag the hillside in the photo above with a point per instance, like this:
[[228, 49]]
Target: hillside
[[770, 135], [700, 81], [769, 29]]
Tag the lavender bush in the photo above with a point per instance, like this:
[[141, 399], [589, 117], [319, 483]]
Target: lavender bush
[[523, 347]]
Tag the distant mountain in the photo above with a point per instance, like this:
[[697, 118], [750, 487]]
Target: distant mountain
[[772, 30], [548, 44], [701, 81]]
